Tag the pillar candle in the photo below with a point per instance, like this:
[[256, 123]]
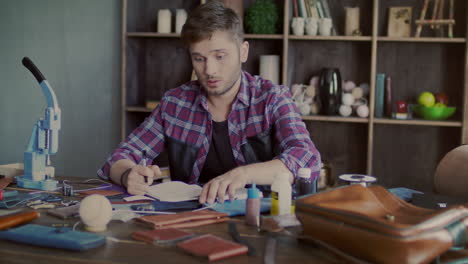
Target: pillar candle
[[351, 20], [164, 21], [269, 67]]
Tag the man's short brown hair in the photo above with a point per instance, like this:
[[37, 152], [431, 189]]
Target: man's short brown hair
[[213, 16]]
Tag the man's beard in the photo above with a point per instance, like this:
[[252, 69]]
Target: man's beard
[[225, 90]]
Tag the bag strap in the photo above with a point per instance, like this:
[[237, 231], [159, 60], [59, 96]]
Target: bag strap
[[342, 255]]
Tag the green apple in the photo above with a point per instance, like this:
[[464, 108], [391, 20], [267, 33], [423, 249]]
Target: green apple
[[426, 99], [440, 105]]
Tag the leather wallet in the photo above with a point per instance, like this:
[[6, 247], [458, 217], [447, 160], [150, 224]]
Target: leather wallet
[[164, 236], [213, 247], [183, 220]]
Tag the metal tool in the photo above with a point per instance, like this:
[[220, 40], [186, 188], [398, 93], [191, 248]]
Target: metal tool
[[43, 141], [235, 235]]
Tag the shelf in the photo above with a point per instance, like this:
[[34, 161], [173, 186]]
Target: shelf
[[263, 36], [335, 38], [152, 35], [431, 40], [140, 109], [336, 119], [417, 122], [351, 144]]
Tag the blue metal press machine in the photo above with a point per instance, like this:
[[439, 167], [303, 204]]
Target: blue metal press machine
[[43, 142]]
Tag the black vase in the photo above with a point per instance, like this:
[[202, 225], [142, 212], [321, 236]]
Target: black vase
[[330, 91]]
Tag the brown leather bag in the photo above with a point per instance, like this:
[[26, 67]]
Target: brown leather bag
[[372, 224]]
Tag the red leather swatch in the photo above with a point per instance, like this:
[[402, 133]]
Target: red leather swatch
[[213, 247], [184, 220], [161, 236]]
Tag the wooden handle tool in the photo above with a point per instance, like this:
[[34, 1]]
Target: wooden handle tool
[[17, 219]]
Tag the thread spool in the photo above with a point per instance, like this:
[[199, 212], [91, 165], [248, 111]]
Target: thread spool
[[364, 180], [95, 212], [269, 67], [164, 21]]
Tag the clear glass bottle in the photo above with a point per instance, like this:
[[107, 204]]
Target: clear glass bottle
[[305, 184]]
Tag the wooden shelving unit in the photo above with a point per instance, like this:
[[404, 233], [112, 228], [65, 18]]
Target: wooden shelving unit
[[398, 152]]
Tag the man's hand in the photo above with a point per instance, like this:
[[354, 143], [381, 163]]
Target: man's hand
[[224, 184], [140, 178]]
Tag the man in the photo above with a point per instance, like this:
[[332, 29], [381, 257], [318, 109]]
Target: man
[[225, 130]]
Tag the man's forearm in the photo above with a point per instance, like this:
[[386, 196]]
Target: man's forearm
[[264, 173], [119, 168]]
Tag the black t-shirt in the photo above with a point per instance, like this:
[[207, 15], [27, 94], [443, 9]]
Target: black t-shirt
[[220, 158]]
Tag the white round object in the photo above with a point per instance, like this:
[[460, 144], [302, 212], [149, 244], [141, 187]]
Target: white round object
[[95, 212], [304, 109], [365, 88], [347, 99], [357, 92], [314, 81], [345, 110], [314, 108], [362, 111], [348, 86], [362, 179], [311, 91]]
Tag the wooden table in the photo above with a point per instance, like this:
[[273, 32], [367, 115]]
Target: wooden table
[[288, 249]]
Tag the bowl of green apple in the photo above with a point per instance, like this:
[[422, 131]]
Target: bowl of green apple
[[434, 107]]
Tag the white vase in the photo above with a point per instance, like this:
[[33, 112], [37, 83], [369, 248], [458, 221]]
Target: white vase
[[311, 26], [181, 17], [297, 26], [325, 26]]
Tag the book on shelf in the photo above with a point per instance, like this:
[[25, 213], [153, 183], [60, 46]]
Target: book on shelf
[[388, 97], [295, 10], [319, 9], [326, 13], [313, 8], [379, 94], [302, 8], [307, 8]]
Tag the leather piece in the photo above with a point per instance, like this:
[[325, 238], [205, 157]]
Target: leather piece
[[161, 236], [5, 181], [213, 247], [372, 224], [184, 220]]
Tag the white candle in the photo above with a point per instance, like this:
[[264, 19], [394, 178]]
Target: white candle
[[269, 67], [351, 20], [164, 21]]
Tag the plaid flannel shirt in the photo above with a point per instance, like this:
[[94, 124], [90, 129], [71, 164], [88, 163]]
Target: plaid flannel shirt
[[258, 107]]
